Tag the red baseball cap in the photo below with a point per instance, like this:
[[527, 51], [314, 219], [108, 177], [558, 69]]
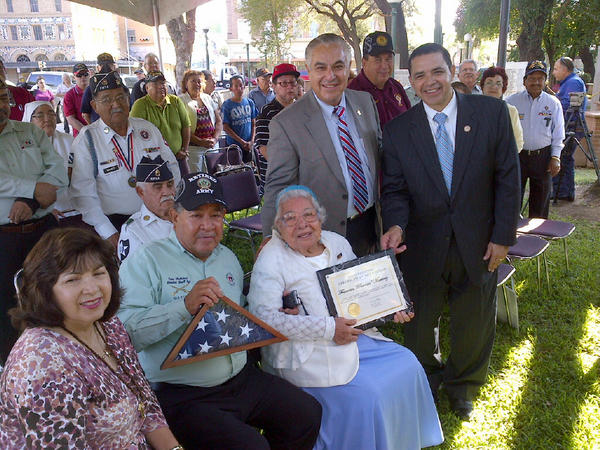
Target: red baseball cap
[[285, 69]]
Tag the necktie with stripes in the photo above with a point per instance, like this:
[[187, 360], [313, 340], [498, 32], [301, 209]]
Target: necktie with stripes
[[360, 195], [444, 148]]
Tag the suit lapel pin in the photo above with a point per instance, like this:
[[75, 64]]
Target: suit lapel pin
[[358, 112], [467, 128], [339, 256]]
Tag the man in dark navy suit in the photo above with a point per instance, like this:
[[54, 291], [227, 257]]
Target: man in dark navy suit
[[450, 204]]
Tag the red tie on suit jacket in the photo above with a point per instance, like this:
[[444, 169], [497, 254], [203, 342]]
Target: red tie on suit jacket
[[360, 198]]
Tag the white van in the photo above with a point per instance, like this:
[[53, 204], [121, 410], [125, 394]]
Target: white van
[[53, 79]]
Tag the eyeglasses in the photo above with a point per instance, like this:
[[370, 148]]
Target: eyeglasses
[[42, 116], [81, 75], [491, 83], [291, 219], [287, 83], [121, 98]]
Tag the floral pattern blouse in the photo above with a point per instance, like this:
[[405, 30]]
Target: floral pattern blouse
[[55, 393]]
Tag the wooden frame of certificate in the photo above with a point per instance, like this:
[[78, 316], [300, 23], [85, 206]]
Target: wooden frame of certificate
[[369, 289]]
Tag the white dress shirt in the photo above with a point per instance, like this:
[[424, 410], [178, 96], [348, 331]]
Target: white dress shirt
[[62, 143], [331, 121], [109, 192], [541, 119], [141, 228], [450, 111]]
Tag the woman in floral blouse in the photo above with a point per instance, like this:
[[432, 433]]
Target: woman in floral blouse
[[73, 378]]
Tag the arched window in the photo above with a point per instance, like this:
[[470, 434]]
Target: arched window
[[59, 57], [23, 58], [41, 57]]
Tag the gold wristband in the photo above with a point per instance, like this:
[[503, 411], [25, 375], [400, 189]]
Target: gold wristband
[[556, 158], [177, 447]]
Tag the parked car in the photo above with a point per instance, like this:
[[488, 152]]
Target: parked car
[[53, 80]]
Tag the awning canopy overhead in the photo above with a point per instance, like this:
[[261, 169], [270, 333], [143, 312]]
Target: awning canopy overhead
[[142, 10]]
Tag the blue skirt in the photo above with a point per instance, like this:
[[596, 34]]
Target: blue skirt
[[388, 404]]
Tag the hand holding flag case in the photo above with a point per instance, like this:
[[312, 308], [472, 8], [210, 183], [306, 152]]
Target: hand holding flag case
[[220, 330]]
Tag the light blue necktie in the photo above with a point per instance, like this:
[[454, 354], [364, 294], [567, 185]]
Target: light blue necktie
[[444, 148]]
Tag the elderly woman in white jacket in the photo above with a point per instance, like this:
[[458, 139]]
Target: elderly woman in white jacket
[[42, 115], [373, 391]]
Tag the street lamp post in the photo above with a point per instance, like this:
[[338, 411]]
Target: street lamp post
[[437, 30], [504, 28], [468, 39], [395, 4], [207, 57], [248, 60]]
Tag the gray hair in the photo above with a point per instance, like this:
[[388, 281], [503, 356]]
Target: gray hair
[[328, 39], [296, 193], [472, 61], [151, 55], [207, 74]]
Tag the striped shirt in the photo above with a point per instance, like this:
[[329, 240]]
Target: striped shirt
[[269, 111]]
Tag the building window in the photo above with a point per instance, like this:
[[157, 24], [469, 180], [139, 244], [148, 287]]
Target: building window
[[23, 58], [131, 36], [58, 5], [60, 57], [34, 5], [13, 33], [41, 57], [24, 32], [37, 32], [49, 32], [9, 6]]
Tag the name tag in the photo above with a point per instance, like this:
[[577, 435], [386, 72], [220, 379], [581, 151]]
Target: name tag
[[151, 149], [108, 161], [111, 169]]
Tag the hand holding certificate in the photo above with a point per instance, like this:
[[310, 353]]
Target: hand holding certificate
[[368, 289]]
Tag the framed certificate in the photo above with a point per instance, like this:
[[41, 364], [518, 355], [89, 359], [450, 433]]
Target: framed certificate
[[369, 289]]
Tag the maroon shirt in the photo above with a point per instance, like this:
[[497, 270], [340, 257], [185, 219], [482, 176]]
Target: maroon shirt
[[21, 97], [72, 105], [391, 101]]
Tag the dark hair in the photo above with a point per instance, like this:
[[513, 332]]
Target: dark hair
[[187, 75], [492, 72], [568, 63], [56, 252], [461, 87], [427, 49], [237, 77], [40, 78]]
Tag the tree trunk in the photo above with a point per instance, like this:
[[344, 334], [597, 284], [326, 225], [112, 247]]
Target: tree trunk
[[183, 33], [534, 15], [588, 60], [401, 38]]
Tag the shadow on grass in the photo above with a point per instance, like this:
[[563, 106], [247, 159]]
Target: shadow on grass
[[556, 385]]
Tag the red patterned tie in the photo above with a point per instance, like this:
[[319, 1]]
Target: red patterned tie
[[359, 183]]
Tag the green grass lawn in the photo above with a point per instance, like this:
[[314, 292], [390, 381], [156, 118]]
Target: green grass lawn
[[543, 388]]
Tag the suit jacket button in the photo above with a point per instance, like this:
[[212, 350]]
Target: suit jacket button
[[343, 222], [345, 196]]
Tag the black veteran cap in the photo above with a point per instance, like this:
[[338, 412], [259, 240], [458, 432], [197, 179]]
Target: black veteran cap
[[153, 170], [80, 69], [103, 81], [377, 43], [536, 66], [155, 75], [197, 189]]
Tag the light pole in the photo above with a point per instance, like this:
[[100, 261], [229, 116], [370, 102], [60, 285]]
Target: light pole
[[437, 30], [395, 4], [248, 60], [468, 39], [207, 57]]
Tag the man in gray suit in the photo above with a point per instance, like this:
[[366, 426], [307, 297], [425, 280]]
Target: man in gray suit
[[329, 141]]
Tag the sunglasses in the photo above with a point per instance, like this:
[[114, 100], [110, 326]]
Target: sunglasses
[[81, 75]]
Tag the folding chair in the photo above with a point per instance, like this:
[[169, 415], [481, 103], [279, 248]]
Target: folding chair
[[241, 193], [508, 310], [552, 230], [529, 247], [227, 156]]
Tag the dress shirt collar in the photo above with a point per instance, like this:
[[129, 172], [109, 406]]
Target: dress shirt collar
[[9, 127], [449, 110], [567, 78], [328, 109], [108, 132], [153, 103], [144, 211]]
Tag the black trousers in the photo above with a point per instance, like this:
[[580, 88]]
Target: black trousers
[[360, 232], [15, 247], [534, 165], [228, 416], [472, 328]]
